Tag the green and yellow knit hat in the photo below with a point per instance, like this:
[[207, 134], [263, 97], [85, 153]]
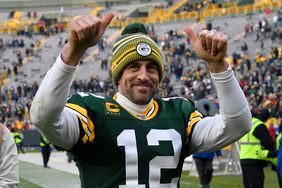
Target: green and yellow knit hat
[[134, 45]]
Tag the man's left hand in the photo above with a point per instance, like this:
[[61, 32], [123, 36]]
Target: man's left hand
[[210, 46]]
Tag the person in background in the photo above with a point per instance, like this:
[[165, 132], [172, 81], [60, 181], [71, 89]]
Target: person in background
[[18, 137], [45, 150], [134, 139], [9, 163], [256, 149], [204, 166]]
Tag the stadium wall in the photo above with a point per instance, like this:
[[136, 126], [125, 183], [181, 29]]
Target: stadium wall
[[27, 4]]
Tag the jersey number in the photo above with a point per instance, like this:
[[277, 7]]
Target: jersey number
[[127, 138]]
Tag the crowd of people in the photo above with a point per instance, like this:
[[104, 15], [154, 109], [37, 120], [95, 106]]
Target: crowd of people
[[21, 51]]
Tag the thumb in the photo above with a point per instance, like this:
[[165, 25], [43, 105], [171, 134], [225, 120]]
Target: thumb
[[191, 34], [106, 21]]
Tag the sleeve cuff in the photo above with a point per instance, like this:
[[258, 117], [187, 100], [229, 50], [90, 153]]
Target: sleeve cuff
[[63, 66], [222, 76]]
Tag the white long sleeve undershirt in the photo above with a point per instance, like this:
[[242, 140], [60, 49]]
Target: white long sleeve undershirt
[[130, 106], [61, 126], [234, 120]]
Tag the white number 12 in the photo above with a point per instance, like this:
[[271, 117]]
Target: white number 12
[[127, 138]]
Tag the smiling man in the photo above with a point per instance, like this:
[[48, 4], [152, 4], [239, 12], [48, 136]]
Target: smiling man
[[139, 82], [134, 139]]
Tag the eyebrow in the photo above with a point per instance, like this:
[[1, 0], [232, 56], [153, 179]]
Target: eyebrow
[[153, 63], [150, 63], [133, 63]]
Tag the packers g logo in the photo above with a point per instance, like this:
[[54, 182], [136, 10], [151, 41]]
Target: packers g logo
[[143, 49], [112, 109]]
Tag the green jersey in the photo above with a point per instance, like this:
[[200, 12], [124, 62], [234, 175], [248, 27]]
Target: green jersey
[[119, 149]]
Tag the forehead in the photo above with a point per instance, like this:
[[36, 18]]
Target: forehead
[[143, 62]]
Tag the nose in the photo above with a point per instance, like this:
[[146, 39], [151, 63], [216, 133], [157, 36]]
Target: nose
[[143, 73]]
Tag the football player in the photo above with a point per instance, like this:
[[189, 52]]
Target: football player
[[134, 139]]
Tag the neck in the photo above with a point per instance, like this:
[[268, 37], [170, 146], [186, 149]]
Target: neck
[[130, 106]]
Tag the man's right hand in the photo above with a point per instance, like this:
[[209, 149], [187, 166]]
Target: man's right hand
[[84, 31]]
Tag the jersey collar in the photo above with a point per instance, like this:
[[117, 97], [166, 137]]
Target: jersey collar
[[142, 112]]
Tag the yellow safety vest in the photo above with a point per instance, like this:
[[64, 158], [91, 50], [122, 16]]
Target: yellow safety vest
[[45, 142], [278, 138], [250, 146], [17, 137]]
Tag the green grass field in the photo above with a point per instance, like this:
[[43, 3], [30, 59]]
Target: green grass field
[[193, 182], [27, 184], [228, 181]]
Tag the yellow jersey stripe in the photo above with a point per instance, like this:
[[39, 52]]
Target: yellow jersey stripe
[[78, 108], [148, 109], [83, 118], [91, 127], [151, 111], [195, 114], [156, 105], [115, 97], [85, 137], [194, 121], [144, 118], [191, 125], [87, 126]]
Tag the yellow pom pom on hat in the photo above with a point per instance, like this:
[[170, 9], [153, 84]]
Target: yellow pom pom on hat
[[134, 45]]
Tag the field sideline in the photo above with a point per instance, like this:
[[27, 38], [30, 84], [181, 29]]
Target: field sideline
[[60, 179], [228, 181]]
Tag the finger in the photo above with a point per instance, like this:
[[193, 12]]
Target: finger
[[83, 21], [209, 38], [191, 35], [105, 22], [97, 22], [202, 36], [77, 30], [215, 43], [95, 25], [222, 43]]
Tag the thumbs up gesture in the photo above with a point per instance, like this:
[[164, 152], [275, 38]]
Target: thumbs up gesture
[[210, 46], [84, 31]]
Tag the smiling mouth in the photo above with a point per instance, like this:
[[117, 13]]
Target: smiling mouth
[[143, 88]]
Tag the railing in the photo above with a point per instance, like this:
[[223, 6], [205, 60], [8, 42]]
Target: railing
[[179, 4], [157, 15]]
